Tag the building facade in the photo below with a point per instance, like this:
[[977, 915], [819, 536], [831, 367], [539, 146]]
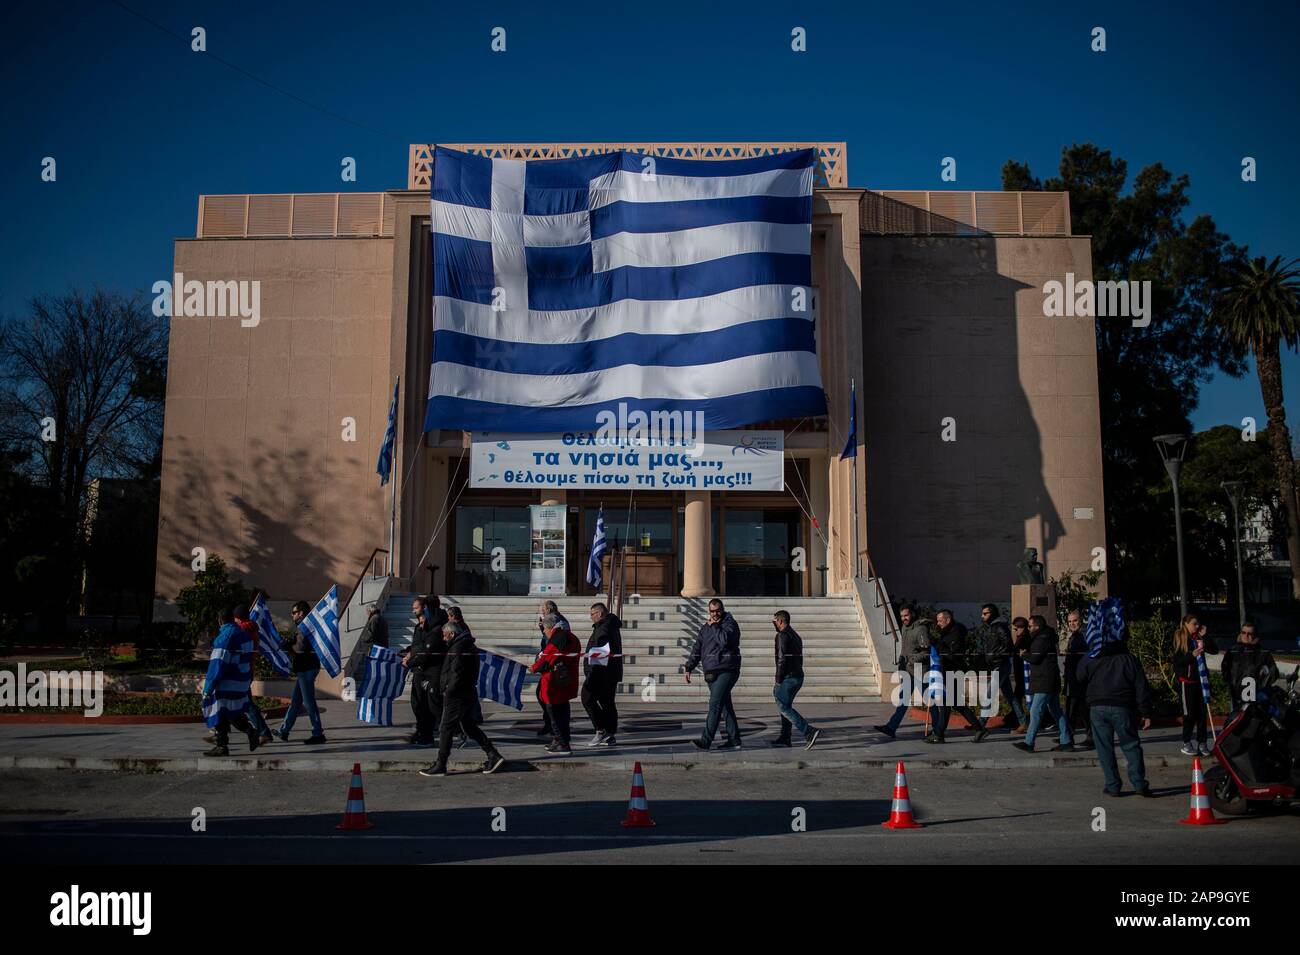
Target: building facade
[[978, 432]]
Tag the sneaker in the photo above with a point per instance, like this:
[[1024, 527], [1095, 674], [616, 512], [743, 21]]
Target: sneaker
[[884, 730], [981, 735], [781, 741], [313, 740], [493, 763], [810, 739], [609, 741], [1021, 744], [282, 736], [733, 743], [1190, 750], [1207, 749], [933, 739], [1146, 793], [218, 751], [598, 739], [437, 769], [1062, 748], [699, 744], [1110, 792], [1020, 730], [559, 749]]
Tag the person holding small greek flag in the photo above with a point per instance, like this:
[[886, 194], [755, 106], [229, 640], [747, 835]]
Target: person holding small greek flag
[[1191, 643]]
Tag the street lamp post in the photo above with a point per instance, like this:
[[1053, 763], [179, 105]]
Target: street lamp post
[[1233, 490], [1172, 448]]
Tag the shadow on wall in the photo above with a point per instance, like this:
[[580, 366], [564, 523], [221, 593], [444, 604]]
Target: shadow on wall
[[949, 519]]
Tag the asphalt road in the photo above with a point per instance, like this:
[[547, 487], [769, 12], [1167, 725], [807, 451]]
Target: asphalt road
[[573, 816]]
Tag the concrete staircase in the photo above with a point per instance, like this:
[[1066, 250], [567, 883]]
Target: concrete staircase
[[658, 633]]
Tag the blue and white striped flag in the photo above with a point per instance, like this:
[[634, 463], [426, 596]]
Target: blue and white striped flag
[[934, 680], [1205, 675], [321, 627], [598, 547], [565, 288], [1025, 688], [268, 637], [501, 679], [1105, 624], [384, 467], [229, 676], [385, 680]]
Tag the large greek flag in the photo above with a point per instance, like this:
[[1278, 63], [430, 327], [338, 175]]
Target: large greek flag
[[268, 637], [230, 673], [321, 627], [565, 287], [501, 679], [384, 681]]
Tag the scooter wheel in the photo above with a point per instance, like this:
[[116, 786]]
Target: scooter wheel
[[1225, 797]]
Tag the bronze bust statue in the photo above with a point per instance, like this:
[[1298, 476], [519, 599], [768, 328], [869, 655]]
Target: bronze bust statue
[[1030, 568]]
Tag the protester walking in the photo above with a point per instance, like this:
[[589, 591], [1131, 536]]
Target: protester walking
[[558, 665], [951, 643], [603, 675], [992, 656], [717, 652], [306, 666], [546, 607], [789, 681], [1076, 703], [425, 658], [913, 651], [456, 615], [225, 686], [458, 684], [1044, 687], [1190, 644], [1117, 693], [254, 713], [1020, 641], [1247, 667]]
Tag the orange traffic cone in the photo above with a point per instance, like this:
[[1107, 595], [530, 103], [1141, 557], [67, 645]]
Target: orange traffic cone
[[900, 814], [1200, 814], [354, 814], [638, 811]]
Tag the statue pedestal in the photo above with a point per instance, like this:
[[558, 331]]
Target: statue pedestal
[[1030, 599]]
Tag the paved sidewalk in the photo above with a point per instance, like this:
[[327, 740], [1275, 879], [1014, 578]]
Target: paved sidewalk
[[656, 736]]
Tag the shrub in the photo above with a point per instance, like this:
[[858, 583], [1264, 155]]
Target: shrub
[[1074, 593], [212, 592]]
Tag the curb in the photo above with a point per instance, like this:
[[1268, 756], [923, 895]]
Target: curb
[[236, 764]]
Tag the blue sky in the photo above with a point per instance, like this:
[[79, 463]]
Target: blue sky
[[141, 126]]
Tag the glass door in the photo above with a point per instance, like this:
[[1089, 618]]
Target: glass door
[[760, 545]]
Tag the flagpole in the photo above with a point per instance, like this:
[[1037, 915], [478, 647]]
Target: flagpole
[[853, 389], [392, 515]]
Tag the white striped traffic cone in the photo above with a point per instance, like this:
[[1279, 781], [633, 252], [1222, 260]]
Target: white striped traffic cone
[[638, 810], [354, 814], [900, 813], [1200, 814]]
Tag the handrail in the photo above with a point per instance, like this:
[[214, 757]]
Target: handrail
[[370, 562], [883, 602]]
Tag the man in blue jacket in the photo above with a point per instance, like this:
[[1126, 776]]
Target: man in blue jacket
[[717, 652]]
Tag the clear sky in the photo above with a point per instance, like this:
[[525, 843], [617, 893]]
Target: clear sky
[[140, 125]]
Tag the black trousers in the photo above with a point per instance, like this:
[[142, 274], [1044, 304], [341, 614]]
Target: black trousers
[[458, 717], [598, 695], [546, 716], [1076, 711], [426, 704], [559, 715], [939, 716], [1193, 712], [239, 722]]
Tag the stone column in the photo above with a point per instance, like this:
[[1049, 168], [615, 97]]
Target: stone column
[[697, 544]]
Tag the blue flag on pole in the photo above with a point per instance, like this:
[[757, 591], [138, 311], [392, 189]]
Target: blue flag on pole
[[384, 467], [501, 679], [1205, 675], [851, 445], [268, 637], [598, 548], [321, 627], [384, 681]]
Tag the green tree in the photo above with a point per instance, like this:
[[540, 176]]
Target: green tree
[[1148, 378], [1259, 309], [212, 592]]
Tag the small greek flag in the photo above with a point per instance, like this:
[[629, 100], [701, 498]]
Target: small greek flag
[[598, 547], [1025, 665], [321, 627], [385, 680], [501, 679], [268, 637], [1205, 675], [934, 680], [384, 467], [851, 445]]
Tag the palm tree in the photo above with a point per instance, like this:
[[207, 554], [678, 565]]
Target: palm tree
[[1259, 310]]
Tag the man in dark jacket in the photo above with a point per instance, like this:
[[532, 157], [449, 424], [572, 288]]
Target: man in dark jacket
[[913, 651], [1020, 640], [424, 657], [306, 665], [951, 641], [717, 652], [1247, 665], [458, 685], [789, 681], [1076, 704], [1044, 686], [1116, 690], [600, 688], [993, 654]]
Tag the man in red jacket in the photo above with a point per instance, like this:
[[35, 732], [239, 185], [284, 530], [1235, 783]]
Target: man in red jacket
[[559, 665]]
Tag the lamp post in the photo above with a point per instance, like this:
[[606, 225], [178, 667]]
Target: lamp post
[[1233, 490], [1172, 448]]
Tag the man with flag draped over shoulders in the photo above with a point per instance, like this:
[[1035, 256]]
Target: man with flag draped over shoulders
[[225, 687]]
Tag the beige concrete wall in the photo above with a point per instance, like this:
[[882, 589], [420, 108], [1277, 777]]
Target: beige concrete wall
[[954, 327], [255, 467]]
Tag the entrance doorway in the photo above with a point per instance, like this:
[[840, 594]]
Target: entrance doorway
[[758, 553]]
